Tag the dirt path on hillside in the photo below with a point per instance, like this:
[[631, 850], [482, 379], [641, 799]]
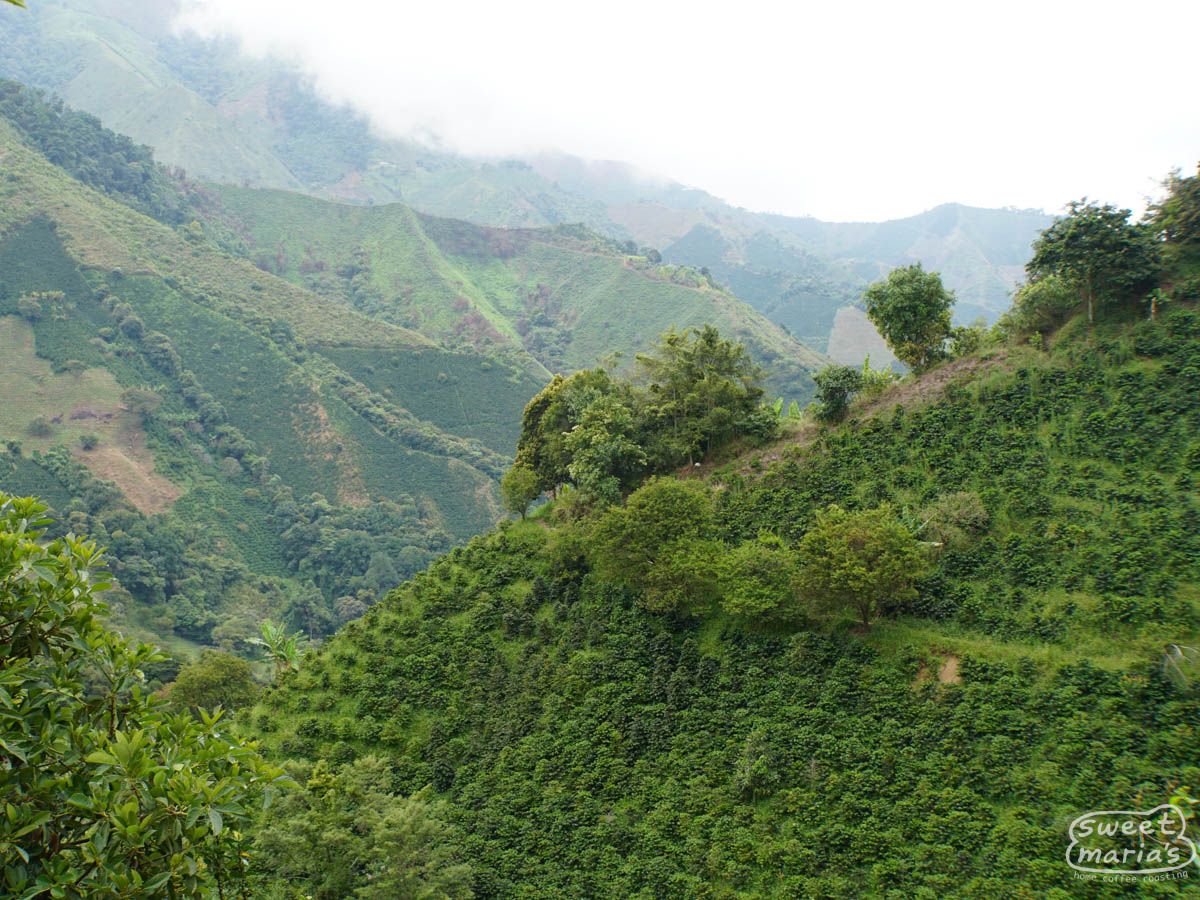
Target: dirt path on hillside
[[908, 393]]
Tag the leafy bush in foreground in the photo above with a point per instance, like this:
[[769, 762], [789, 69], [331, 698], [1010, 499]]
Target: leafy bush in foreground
[[106, 792]]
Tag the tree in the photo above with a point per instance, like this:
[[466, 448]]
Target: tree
[[859, 561], [1096, 249], [107, 793], [836, 387], [606, 460], [629, 542], [683, 577], [141, 401], [89, 441], [699, 391], [551, 416], [346, 834], [758, 581], [967, 339], [40, 427], [1176, 219], [1042, 305], [519, 487], [215, 679], [282, 649], [911, 309]]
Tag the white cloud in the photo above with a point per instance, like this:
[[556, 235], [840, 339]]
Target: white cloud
[[853, 110]]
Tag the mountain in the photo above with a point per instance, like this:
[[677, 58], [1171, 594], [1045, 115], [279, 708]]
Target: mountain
[[565, 297], [177, 399], [586, 742], [275, 405], [226, 118]]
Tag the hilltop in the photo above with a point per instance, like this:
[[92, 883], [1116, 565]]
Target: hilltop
[[565, 297]]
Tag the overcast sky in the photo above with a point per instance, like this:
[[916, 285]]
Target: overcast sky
[[850, 111]]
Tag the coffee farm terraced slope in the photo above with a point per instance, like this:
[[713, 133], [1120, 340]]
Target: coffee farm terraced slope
[[589, 745]]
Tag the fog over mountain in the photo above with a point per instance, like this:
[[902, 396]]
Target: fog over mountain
[[849, 112]]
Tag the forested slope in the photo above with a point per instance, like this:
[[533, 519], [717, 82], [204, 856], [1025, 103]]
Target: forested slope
[[177, 405], [591, 746]]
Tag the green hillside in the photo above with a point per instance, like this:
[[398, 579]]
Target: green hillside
[[185, 407], [302, 401], [589, 746], [556, 300]]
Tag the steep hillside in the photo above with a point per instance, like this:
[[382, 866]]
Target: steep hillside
[[305, 429], [225, 117], [185, 406], [589, 746], [565, 297]]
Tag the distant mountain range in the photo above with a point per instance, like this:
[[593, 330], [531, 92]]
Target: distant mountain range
[[226, 118]]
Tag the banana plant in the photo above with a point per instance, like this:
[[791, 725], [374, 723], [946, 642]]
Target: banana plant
[[282, 648]]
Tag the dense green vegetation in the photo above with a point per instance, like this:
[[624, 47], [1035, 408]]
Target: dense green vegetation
[[890, 645], [106, 791], [890, 656], [170, 406], [694, 395], [593, 735], [667, 697], [249, 448]]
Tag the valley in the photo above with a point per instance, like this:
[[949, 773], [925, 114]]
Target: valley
[[382, 521]]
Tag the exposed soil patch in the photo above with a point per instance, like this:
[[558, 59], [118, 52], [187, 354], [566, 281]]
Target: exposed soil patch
[[77, 404], [947, 671], [327, 444], [124, 460]]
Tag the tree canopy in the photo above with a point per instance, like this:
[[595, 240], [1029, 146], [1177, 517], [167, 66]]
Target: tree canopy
[[836, 387], [693, 393], [911, 309], [107, 792], [1095, 249], [1176, 219], [859, 561]]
